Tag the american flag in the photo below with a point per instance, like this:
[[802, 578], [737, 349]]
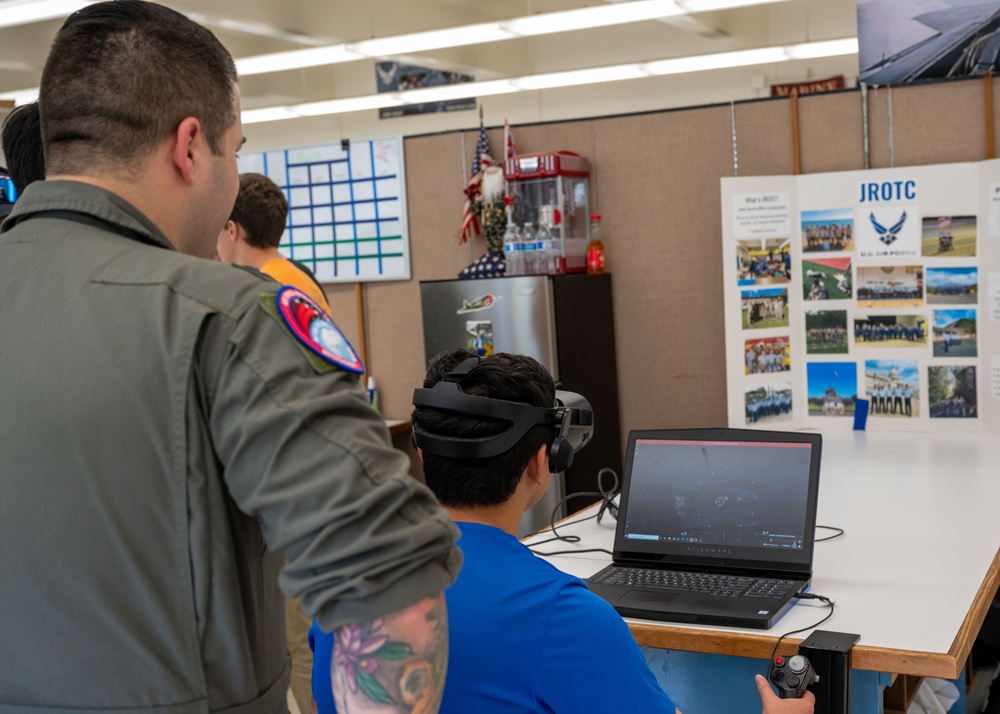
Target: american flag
[[482, 150], [470, 222], [508, 140]]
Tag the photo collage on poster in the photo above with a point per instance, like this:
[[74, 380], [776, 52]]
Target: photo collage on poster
[[764, 275], [901, 336], [877, 285]]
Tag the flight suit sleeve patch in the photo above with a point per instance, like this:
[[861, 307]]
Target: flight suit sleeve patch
[[312, 329]]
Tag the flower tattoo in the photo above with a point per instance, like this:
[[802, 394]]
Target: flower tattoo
[[359, 650]]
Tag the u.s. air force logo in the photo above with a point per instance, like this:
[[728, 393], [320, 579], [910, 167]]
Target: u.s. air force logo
[[315, 329], [888, 235], [888, 231]]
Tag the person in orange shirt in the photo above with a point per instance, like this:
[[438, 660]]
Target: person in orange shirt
[[251, 238], [253, 231]]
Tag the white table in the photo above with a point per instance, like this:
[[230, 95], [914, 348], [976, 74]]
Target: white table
[[913, 574]]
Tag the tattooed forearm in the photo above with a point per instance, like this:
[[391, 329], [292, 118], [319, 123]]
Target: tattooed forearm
[[393, 664]]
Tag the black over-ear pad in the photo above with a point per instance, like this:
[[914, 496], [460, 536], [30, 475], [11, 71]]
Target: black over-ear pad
[[560, 455]]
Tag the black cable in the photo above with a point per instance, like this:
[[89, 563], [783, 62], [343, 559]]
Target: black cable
[[606, 495], [800, 596], [840, 532]]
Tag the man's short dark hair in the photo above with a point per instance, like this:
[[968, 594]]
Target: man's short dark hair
[[261, 208], [22, 146], [489, 481], [119, 79]]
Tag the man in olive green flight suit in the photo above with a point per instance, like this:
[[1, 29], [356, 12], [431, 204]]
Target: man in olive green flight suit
[[174, 429]]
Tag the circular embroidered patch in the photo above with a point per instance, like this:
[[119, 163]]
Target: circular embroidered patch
[[316, 330]]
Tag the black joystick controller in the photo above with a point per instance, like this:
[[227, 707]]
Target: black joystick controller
[[792, 675]]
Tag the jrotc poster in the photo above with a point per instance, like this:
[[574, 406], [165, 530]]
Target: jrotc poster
[[879, 285]]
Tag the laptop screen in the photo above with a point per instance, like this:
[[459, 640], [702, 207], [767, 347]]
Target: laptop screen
[[720, 495]]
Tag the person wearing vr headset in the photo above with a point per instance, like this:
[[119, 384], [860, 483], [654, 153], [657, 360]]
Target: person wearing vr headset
[[524, 636], [22, 146]]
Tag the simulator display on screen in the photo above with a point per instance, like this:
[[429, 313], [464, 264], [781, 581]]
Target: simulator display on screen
[[719, 493]]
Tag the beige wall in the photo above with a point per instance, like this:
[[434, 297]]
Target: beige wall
[[656, 183]]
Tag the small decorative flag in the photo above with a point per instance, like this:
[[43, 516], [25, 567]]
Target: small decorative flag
[[508, 140]]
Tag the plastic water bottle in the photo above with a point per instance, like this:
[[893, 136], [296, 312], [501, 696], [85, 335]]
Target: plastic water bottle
[[546, 251], [512, 250], [529, 251]]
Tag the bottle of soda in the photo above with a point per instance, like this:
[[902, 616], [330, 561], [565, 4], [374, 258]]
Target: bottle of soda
[[595, 249], [512, 254]]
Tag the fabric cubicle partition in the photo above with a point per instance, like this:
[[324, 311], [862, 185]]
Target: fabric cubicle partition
[[655, 181]]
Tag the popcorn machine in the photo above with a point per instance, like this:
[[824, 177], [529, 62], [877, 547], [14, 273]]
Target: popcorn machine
[[551, 190]]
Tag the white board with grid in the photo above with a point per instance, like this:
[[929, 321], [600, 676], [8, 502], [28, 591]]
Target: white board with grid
[[346, 207]]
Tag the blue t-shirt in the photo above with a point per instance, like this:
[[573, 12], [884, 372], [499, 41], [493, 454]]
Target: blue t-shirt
[[525, 637]]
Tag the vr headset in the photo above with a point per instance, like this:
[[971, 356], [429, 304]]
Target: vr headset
[[571, 416]]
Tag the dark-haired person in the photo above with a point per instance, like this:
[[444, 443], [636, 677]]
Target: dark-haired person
[[22, 146], [250, 238], [175, 429], [253, 232], [22, 149], [6, 199], [525, 636]]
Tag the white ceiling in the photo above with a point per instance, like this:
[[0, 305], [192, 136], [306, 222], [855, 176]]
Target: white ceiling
[[292, 24]]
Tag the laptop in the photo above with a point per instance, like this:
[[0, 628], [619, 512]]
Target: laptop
[[715, 526]]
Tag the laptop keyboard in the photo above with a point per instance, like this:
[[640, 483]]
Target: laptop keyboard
[[726, 585]]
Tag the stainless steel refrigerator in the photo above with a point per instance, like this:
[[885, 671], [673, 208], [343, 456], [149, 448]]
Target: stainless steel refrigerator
[[566, 323]]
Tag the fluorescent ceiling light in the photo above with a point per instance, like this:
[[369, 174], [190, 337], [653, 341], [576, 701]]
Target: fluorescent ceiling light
[[693, 6], [722, 60], [295, 59], [21, 96], [829, 48], [589, 17], [530, 25], [255, 116], [456, 91], [258, 29], [431, 40], [348, 104], [577, 77], [25, 12]]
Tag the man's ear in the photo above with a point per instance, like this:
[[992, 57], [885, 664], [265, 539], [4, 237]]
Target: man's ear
[[188, 141], [232, 230], [538, 467]]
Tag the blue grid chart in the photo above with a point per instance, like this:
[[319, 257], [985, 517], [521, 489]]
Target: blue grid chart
[[346, 208]]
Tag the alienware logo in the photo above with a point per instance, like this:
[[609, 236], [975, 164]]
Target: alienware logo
[[888, 235]]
